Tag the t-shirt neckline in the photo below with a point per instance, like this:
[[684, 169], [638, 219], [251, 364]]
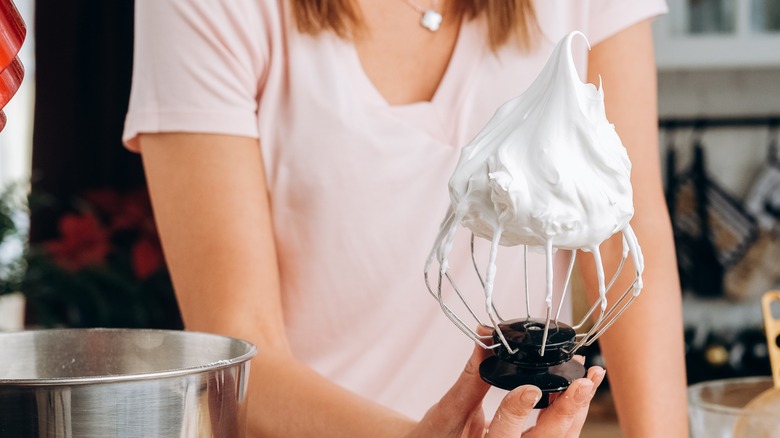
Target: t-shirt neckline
[[452, 86]]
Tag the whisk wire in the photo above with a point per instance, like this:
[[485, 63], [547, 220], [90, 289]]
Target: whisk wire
[[587, 315], [607, 314], [490, 276], [565, 284], [458, 321], [479, 277], [525, 280], [604, 323]]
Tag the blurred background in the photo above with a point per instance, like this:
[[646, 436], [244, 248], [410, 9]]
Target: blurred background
[[78, 246], [719, 110], [719, 105], [77, 238]]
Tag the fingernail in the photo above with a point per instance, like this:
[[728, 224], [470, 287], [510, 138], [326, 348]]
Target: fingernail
[[584, 390], [531, 395]]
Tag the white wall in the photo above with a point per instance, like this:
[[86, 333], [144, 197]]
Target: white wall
[[734, 154]]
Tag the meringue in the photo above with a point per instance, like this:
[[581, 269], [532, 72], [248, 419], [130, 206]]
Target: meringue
[[547, 171]]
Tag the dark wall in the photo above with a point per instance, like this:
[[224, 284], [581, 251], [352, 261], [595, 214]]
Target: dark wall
[[83, 70]]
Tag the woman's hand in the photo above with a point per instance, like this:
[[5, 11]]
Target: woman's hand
[[459, 413]]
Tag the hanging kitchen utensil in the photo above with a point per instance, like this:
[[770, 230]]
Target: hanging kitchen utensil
[[763, 199], [670, 173], [758, 270], [712, 231]]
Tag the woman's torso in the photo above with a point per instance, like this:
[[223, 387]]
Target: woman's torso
[[358, 186]]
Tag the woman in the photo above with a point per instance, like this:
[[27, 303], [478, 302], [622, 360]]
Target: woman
[[297, 154]]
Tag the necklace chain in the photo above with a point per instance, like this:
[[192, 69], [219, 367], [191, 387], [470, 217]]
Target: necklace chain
[[430, 18], [418, 8]]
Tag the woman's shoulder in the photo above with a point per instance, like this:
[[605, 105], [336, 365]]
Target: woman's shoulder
[[213, 17], [199, 65], [598, 19]]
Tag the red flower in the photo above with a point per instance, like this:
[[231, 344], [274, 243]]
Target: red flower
[[83, 242], [107, 202], [135, 214], [147, 257], [128, 211]]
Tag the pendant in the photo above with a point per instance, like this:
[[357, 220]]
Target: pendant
[[431, 20]]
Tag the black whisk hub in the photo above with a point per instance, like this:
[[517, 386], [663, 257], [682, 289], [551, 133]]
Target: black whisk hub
[[551, 372]]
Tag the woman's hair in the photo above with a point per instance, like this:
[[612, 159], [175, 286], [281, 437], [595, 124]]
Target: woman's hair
[[506, 19]]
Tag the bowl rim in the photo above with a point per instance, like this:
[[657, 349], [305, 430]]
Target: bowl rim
[[251, 351], [694, 401]]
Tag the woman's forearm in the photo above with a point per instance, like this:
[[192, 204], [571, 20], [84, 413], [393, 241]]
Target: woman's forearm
[[644, 349], [288, 399], [213, 213]]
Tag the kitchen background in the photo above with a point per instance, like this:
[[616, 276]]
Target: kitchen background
[[719, 73], [719, 88]]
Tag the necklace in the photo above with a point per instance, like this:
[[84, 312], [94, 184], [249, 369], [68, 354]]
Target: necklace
[[430, 18]]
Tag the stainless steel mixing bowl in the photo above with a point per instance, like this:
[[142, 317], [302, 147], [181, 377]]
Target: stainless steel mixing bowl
[[90, 383]]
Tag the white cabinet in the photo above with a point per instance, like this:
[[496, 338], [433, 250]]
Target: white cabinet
[[711, 34]]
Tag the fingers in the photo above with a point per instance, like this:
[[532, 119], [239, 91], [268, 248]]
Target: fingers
[[459, 406], [514, 410], [564, 418], [469, 390], [475, 427], [566, 415], [484, 330], [595, 375], [559, 418]]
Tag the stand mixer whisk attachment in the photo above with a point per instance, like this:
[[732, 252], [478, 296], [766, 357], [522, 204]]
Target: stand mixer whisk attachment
[[547, 171], [533, 350]]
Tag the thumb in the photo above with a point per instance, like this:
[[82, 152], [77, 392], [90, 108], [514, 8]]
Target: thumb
[[453, 411], [509, 420], [475, 426], [469, 390]]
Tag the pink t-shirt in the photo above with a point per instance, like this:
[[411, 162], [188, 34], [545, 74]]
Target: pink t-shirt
[[358, 187]]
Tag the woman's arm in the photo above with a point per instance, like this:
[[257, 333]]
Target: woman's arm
[[213, 214], [644, 349], [212, 210]]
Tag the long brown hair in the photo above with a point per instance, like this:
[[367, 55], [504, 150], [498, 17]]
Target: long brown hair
[[507, 20]]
